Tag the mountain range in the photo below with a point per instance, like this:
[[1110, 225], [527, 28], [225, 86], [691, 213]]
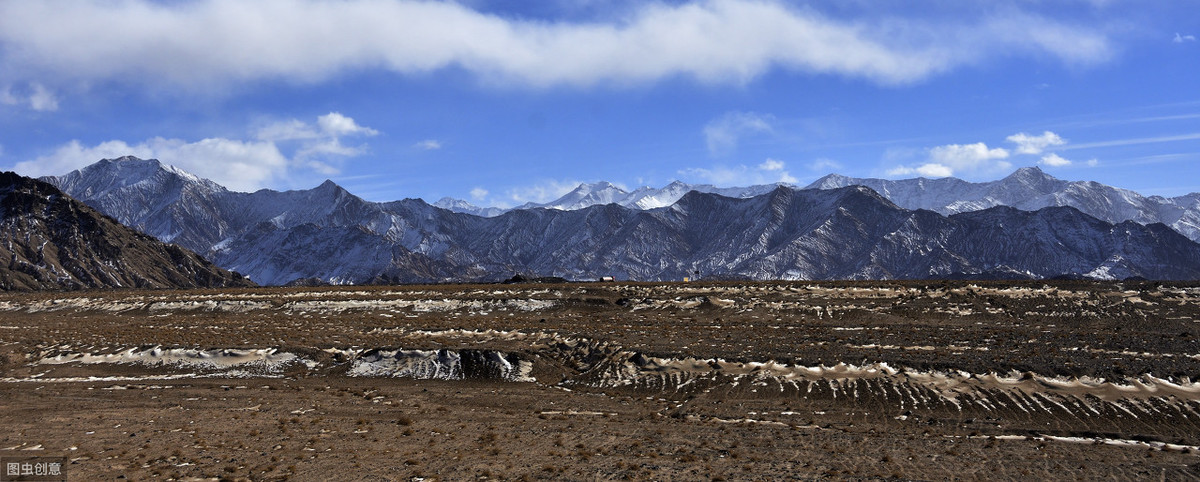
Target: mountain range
[[50, 241], [591, 194], [1028, 189], [327, 234]]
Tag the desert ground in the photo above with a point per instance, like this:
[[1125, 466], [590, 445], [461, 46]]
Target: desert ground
[[599, 381]]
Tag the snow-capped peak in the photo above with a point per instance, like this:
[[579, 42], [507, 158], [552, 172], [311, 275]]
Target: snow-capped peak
[[831, 181]]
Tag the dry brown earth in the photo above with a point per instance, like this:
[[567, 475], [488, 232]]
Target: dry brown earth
[[911, 380]]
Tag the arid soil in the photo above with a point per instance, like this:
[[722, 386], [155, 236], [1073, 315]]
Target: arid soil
[[909, 380]]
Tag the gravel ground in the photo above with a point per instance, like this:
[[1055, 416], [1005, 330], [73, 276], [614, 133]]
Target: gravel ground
[[909, 380]]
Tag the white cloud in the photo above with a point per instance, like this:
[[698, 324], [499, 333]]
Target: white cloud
[[1135, 141], [331, 125], [1024, 32], [956, 159], [821, 165], [479, 194], [42, 99], [1093, 163], [542, 192], [924, 170], [719, 175], [240, 165], [968, 157], [337, 125], [1029, 144], [323, 156], [1183, 38], [771, 165], [37, 96], [723, 133], [428, 145], [317, 146], [286, 130], [769, 172], [207, 44], [1054, 160]]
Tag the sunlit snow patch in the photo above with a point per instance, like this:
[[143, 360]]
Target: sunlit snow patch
[[264, 359], [441, 365]]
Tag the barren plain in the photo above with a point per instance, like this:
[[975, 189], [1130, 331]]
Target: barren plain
[[602, 381]]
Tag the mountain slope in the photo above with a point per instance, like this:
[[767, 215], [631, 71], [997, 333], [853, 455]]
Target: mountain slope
[[163, 201], [50, 241]]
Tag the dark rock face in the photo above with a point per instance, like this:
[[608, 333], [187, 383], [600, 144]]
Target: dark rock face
[[50, 241]]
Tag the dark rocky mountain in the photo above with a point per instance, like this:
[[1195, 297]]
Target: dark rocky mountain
[[51, 241], [329, 235]]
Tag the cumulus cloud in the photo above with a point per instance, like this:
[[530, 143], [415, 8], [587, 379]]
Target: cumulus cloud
[[337, 125], [923, 170], [1030, 144], [771, 165], [723, 133], [1183, 38], [769, 172], [428, 145], [479, 194], [240, 165], [208, 44], [967, 157], [331, 125], [318, 146], [956, 159], [1054, 160]]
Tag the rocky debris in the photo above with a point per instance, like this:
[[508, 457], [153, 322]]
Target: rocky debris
[[906, 380]]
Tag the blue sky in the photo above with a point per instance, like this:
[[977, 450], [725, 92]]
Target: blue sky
[[501, 102]]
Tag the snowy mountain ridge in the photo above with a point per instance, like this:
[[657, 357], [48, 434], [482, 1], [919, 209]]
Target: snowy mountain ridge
[[603, 192], [1028, 189], [327, 234]]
